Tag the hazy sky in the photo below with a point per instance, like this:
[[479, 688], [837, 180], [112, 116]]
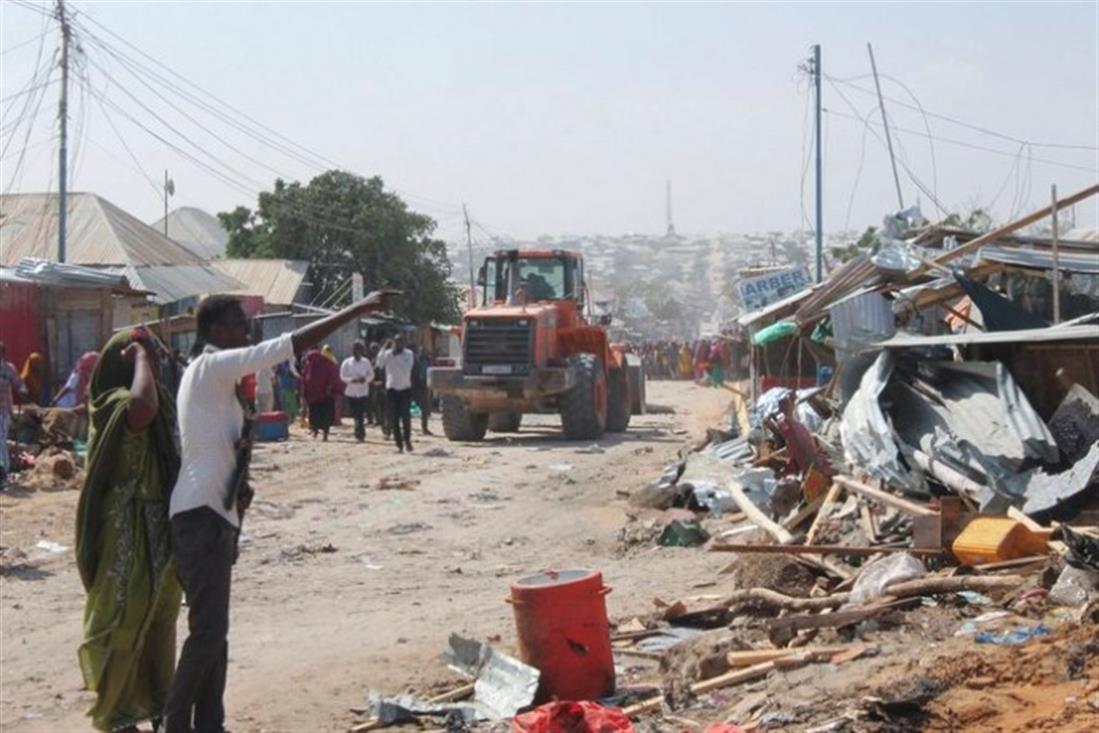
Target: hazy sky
[[568, 118]]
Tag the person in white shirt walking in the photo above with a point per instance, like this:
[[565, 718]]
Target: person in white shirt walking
[[211, 493], [398, 362], [357, 373]]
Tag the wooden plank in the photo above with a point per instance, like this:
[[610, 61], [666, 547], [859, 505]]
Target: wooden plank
[[825, 509], [756, 515], [884, 497], [797, 622], [1026, 521], [758, 656], [715, 683], [995, 234], [868, 526], [804, 513], [818, 550]]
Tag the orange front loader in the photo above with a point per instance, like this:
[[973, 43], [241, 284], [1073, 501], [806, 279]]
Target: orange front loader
[[528, 348]]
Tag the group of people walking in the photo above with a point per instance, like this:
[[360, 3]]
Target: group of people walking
[[166, 489], [379, 384], [702, 360]]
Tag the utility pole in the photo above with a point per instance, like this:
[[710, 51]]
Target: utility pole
[[885, 124], [820, 200], [169, 190], [63, 116], [469, 249], [1056, 259]]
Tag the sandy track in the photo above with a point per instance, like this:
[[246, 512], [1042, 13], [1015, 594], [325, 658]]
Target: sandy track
[[342, 586]]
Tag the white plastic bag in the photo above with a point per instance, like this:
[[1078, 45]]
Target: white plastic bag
[[878, 575]]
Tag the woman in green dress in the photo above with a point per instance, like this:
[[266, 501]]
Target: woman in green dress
[[122, 550]]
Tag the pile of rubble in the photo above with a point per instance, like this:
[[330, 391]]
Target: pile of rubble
[[930, 511], [46, 448]]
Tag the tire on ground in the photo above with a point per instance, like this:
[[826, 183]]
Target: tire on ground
[[505, 422], [459, 423], [618, 401], [581, 417]]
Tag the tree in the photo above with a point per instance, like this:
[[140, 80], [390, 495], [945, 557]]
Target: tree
[[342, 223], [854, 249]]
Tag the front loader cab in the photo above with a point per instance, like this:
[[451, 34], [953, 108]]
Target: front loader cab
[[517, 278]]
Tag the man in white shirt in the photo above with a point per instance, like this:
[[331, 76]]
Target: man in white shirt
[[398, 362], [211, 492], [357, 373]]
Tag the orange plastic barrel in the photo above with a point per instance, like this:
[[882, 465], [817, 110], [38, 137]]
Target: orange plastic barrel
[[561, 619]]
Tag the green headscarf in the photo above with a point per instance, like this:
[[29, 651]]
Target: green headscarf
[[108, 400]]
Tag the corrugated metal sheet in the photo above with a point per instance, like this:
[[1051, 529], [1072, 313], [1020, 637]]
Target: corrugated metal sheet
[[1084, 262], [20, 325], [199, 231], [861, 318], [99, 234], [1033, 335], [278, 281], [854, 275], [174, 283]]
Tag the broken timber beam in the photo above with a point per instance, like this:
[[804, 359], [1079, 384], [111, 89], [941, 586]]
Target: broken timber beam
[[884, 497], [818, 550], [822, 514], [756, 515], [793, 657], [995, 234]]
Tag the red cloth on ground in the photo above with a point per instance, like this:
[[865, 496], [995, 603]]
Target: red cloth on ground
[[572, 717]]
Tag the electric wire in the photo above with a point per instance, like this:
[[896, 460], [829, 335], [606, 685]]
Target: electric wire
[[971, 146], [17, 46], [849, 81], [306, 155]]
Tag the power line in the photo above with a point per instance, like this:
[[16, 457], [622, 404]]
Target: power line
[[242, 180], [973, 146], [904, 163], [31, 90], [306, 155], [946, 118], [27, 42]]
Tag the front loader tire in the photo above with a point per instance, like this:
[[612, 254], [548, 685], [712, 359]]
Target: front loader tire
[[460, 423], [584, 407], [505, 422], [618, 401]]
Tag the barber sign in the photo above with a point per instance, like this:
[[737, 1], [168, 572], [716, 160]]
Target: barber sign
[[762, 290]]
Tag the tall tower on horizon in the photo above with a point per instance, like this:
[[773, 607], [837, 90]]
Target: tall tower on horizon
[[668, 208]]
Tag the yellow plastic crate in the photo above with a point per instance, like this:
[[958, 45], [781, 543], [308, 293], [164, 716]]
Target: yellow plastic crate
[[993, 539]]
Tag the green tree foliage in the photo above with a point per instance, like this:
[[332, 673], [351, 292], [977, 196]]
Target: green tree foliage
[[342, 223], [854, 249]]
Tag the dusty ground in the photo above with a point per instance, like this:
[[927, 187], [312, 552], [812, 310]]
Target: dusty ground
[[342, 586]]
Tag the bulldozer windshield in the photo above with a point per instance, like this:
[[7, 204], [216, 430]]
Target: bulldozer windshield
[[536, 278]]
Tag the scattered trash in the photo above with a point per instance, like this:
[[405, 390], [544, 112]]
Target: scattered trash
[[1020, 635], [397, 483], [572, 717], [54, 548], [873, 580], [1075, 586], [679, 533]]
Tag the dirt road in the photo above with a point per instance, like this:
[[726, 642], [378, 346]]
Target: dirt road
[[344, 585]]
